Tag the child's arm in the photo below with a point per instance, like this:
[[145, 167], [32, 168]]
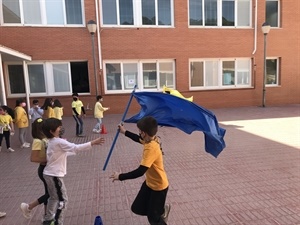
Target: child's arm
[[140, 171], [129, 134], [98, 141], [12, 128]]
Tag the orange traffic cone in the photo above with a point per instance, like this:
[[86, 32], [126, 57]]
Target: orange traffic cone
[[103, 130]]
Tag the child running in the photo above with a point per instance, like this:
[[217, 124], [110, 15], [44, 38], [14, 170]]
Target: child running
[[56, 168], [38, 155], [98, 114], [151, 198]]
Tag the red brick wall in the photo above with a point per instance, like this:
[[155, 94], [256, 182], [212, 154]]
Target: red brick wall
[[180, 43]]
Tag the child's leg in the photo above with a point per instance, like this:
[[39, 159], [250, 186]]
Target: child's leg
[[7, 138], [156, 207], [98, 124], [140, 203], [22, 132], [1, 138], [43, 198], [53, 200], [63, 199]]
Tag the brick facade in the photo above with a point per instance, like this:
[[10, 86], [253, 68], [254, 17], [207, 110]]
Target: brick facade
[[180, 43]]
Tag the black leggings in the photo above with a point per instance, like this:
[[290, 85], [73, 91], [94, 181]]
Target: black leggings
[[43, 198], [150, 203], [6, 135]]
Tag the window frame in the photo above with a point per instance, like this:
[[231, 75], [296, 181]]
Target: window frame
[[137, 15], [278, 13], [277, 75], [219, 13], [48, 78], [42, 12], [140, 85], [219, 70]]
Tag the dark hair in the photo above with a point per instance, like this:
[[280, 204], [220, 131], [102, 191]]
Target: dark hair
[[57, 103], [75, 94], [9, 111], [35, 101], [19, 101], [47, 103], [50, 125], [98, 97], [148, 124], [37, 129]]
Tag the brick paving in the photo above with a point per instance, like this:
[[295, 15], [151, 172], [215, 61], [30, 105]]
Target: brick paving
[[254, 181]]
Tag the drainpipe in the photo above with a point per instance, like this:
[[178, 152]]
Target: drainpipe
[[26, 80], [3, 94], [255, 28], [98, 35]]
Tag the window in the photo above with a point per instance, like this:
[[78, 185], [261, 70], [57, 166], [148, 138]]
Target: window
[[220, 73], [49, 78], [16, 79], [137, 13], [272, 72], [272, 12], [147, 75], [42, 12], [220, 13]]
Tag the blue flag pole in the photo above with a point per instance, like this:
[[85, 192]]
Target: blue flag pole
[[118, 131]]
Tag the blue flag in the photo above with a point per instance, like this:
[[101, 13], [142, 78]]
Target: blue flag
[[187, 116]]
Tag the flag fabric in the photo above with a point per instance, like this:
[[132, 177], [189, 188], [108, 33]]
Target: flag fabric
[[187, 116]]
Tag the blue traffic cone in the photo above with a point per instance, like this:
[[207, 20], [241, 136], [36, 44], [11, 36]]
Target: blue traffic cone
[[98, 220]]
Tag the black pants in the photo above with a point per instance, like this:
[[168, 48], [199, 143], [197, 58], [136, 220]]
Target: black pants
[[43, 198], [79, 125], [150, 203], [6, 135]]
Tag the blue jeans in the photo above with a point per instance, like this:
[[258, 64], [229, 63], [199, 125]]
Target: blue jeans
[[98, 124], [79, 125]]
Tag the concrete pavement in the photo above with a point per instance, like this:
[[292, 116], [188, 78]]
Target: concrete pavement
[[254, 181]]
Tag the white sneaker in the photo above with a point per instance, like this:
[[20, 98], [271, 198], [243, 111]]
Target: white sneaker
[[10, 150], [166, 213], [2, 214], [25, 146], [26, 143], [95, 130], [26, 212]]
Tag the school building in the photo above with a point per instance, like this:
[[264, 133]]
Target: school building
[[213, 50]]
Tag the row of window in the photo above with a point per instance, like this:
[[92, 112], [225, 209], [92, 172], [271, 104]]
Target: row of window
[[63, 78], [135, 13]]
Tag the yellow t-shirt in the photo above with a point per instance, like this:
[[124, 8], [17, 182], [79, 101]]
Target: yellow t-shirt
[[77, 105], [58, 112], [40, 145], [99, 109], [49, 113], [156, 177], [5, 121]]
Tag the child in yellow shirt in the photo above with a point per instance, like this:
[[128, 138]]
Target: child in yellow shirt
[[6, 127]]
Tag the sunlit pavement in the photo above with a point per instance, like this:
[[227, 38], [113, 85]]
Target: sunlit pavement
[[255, 180]]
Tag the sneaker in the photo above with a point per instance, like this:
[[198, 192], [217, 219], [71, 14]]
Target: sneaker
[[95, 130], [25, 146], [166, 213], [49, 222], [80, 135], [2, 214], [10, 150], [26, 212], [26, 143]]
